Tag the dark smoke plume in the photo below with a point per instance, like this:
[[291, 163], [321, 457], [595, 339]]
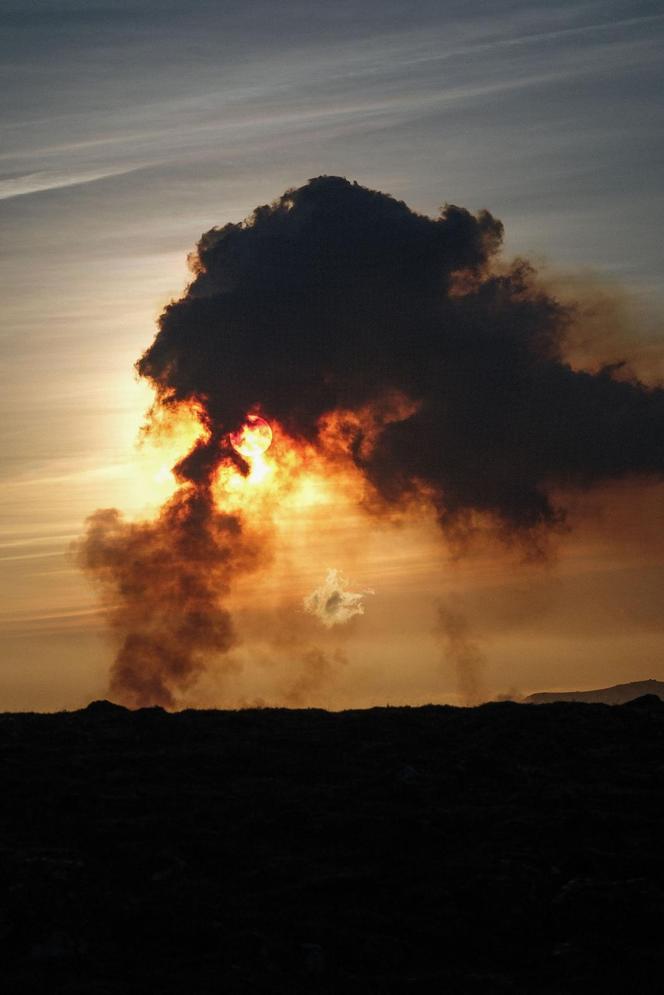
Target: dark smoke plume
[[162, 583], [335, 296], [333, 302]]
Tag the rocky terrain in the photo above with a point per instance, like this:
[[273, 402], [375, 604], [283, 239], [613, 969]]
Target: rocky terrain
[[497, 849], [619, 694]]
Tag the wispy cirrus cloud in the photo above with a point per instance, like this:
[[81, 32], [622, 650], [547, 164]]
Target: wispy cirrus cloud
[[20, 186]]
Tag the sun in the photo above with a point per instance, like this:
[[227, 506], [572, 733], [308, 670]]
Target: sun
[[253, 439]]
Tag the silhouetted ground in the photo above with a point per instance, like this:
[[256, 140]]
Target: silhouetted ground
[[505, 848], [618, 694]]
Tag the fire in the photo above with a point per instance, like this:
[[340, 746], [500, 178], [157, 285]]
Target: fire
[[232, 540], [288, 481], [173, 432], [295, 476], [286, 477], [253, 439], [252, 442]]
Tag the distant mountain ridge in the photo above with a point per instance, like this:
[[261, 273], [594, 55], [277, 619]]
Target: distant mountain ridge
[[616, 695]]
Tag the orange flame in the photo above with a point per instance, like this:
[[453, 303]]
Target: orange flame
[[253, 439]]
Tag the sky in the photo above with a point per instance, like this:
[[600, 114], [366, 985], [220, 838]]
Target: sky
[[130, 128]]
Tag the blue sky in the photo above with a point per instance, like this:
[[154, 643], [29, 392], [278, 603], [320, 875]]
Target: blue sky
[[547, 114]]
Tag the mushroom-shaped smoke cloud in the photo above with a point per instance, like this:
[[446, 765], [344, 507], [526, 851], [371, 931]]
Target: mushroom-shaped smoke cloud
[[376, 336], [336, 297]]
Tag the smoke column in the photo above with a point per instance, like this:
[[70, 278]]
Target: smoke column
[[441, 368], [464, 654], [163, 583]]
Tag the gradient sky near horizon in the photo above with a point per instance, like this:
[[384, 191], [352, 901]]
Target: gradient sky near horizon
[[131, 127]]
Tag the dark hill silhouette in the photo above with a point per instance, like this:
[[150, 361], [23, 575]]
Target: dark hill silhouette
[[498, 849], [619, 694]]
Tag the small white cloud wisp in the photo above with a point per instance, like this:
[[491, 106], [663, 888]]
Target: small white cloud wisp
[[332, 603]]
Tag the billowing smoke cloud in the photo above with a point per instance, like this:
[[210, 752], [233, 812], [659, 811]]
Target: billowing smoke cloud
[[163, 582], [336, 296], [332, 603], [441, 372]]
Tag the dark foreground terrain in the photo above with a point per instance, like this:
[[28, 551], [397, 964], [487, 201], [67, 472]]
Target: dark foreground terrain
[[507, 848]]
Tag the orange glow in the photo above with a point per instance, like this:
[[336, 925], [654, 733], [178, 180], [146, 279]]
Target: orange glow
[[338, 429], [172, 433], [251, 442], [296, 477], [288, 479], [253, 439]]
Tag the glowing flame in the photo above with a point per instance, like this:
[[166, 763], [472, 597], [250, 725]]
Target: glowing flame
[[173, 433], [251, 442], [253, 439]]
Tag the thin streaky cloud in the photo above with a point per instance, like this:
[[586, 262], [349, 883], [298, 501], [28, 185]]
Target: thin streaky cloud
[[261, 123], [18, 619], [29, 183], [537, 36], [37, 541], [30, 556], [386, 52]]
